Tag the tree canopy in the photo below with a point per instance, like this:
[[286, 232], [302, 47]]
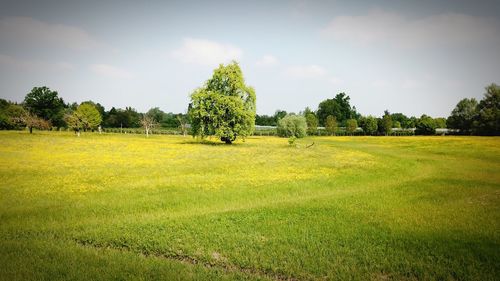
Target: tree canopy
[[338, 107], [386, 123], [426, 125], [86, 117], [46, 104], [224, 106], [462, 116], [487, 121], [369, 125]]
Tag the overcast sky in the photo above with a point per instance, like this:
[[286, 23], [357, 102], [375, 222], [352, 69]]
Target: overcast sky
[[405, 56]]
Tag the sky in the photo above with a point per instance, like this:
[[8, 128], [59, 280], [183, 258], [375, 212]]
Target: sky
[[413, 57]]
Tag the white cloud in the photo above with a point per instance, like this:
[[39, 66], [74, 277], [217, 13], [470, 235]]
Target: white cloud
[[33, 65], [206, 52], [306, 71], [111, 71], [25, 31], [443, 29], [267, 60]]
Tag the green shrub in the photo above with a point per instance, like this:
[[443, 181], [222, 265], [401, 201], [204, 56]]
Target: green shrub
[[292, 125]]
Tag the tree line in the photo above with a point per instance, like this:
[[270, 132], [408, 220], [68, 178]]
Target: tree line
[[469, 117], [226, 107], [43, 109]]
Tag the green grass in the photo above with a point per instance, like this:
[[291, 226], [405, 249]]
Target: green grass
[[123, 207]]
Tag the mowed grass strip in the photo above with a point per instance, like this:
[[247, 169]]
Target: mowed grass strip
[[168, 207]]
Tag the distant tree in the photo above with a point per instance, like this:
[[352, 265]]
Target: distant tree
[[156, 114], [338, 107], [463, 115], [312, 124], [292, 125], [265, 120], [126, 118], [386, 123], [148, 122], [403, 120], [369, 125], [85, 117], [4, 104], [396, 125], [170, 121], [440, 122], [412, 122], [351, 126], [110, 119], [132, 117], [72, 107], [487, 121], [91, 117], [30, 120], [46, 104], [224, 107], [307, 111], [425, 126], [9, 113], [74, 121], [331, 125], [279, 114], [98, 106]]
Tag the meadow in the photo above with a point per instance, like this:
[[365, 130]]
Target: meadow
[[127, 207]]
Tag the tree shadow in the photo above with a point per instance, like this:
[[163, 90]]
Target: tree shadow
[[209, 142]]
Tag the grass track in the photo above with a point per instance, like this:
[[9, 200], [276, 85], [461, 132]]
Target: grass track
[[125, 207]]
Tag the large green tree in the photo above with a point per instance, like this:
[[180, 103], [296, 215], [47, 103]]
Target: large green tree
[[46, 104], [487, 121], [463, 115], [224, 106], [338, 107]]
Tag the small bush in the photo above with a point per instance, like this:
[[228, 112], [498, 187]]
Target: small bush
[[292, 125]]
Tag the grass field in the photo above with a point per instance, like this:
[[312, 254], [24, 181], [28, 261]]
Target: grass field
[[123, 207]]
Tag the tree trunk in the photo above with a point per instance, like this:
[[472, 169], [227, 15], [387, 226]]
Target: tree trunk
[[147, 132], [78, 133], [31, 129]]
